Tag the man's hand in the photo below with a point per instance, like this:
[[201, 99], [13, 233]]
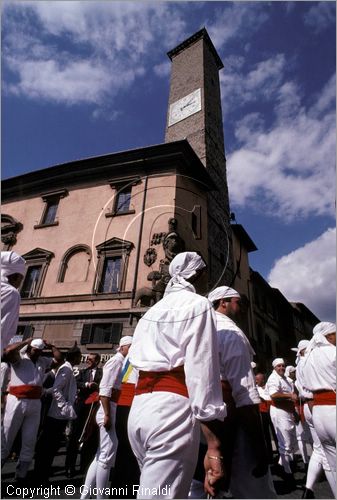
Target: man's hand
[[107, 422], [214, 470]]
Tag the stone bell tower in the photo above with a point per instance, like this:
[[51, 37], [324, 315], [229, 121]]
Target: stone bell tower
[[194, 113]]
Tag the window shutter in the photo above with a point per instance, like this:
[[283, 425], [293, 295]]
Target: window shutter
[[86, 333], [116, 332]]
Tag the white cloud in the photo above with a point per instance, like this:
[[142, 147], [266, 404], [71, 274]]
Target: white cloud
[[261, 82], [75, 52], [321, 16], [236, 20], [287, 169], [308, 275], [163, 69]]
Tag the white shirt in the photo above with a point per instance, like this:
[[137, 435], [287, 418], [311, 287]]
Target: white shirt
[[24, 371], [64, 393], [236, 354], [5, 376], [111, 375], [276, 383], [10, 306], [263, 393], [319, 368], [302, 390], [180, 330]]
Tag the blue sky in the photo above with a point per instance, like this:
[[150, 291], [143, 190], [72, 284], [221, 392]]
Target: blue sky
[[88, 78]]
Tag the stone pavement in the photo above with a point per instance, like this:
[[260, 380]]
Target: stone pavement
[[62, 488]]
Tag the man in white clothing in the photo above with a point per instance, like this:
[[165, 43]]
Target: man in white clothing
[[13, 268], [318, 462], [282, 413], [23, 406], [319, 377], [109, 391], [175, 351], [242, 427]]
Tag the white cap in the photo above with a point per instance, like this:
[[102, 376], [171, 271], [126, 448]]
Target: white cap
[[324, 328], [278, 361], [38, 344], [222, 292], [301, 345], [126, 340]]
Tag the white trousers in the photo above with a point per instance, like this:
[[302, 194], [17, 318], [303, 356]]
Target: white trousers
[[324, 418], [303, 437], [164, 437], [21, 414], [98, 473], [284, 425]]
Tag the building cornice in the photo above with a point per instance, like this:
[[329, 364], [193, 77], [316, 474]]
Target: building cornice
[[177, 156]]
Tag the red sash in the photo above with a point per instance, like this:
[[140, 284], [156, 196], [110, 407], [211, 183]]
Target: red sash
[[127, 394], [93, 398], [166, 381], [284, 404], [264, 406], [26, 391], [324, 398]]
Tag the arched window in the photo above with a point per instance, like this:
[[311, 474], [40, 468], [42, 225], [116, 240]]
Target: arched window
[[75, 265]]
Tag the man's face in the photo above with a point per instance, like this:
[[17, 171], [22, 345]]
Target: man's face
[[259, 379], [91, 361], [302, 352], [233, 308], [280, 369], [125, 350], [331, 337], [34, 353]]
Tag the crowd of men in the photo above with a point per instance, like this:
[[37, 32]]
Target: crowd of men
[[179, 405]]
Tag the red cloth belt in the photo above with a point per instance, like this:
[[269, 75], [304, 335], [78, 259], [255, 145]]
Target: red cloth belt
[[26, 391], [115, 393], [284, 404], [264, 406], [324, 398], [167, 381], [127, 394], [93, 398]]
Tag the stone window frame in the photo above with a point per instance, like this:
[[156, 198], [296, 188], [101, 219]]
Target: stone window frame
[[37, 257], [48, 198], [67, 256], [115, 247], [119, 185]]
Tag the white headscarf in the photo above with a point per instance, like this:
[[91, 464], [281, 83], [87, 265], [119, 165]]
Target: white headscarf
[[278, 361], [222, 292], [319, 336], [11, 263], [184, 266], [303, 344], [289, 369]]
